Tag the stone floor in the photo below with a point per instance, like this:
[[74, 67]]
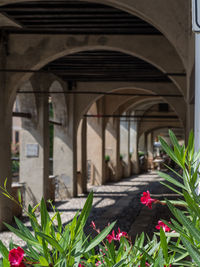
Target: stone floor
[[114, 201]]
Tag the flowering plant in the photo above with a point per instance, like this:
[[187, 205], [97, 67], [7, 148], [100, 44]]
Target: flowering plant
[[51, 244], [176, 244], [180, 238]]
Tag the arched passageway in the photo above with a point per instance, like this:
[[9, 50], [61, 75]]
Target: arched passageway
[[103, 69]]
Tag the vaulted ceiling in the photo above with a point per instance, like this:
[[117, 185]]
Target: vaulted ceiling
[[78, 17], [105, 66], [74, 17]]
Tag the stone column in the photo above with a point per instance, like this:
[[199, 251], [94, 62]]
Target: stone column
[[113, 148], [134, 147], [82, 157], [150, 150], [65, 159], [96, 146], [125, 145], [5, 143], [146, 153], [197, 92], [34, 150]]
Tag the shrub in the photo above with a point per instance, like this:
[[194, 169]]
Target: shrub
[[176, 244], [107, 158]]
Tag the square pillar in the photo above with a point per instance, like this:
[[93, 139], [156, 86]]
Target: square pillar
[[82, 157], [34, 153], [150, 150], [96, 149], [5, 161], [125, 146], [65, 155], [5, 140], [96, 143], [134, 147], [113, 147]]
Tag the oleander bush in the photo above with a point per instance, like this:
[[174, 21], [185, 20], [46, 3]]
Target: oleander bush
[[174, 243]]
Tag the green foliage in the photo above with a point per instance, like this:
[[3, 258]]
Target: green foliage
[[51, 244], [140, 153], [15, 166], [107, 158], [187, 223]]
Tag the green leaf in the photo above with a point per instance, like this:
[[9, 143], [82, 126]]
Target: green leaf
[[43, 261], [51, 241], [111, 251], [100, 237], [164, 245], [19, 196], [178, 157], [193, 252], [3, 250], [119, 264], [172, 188], [6, 195], [190, 146], [24, 229], [177, 174], [31, 252], [171, 180], [191, 203], [85, 212], [6, 263], [11, 244], [174, 140], [143, 261], [189, 225], [34, 208], [20, 234], [59, 222], [45, 249], [44, 215], [168, 150], [143, 251], [5, 183]]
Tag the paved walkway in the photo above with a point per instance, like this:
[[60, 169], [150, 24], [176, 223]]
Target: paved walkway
[[115, 201]]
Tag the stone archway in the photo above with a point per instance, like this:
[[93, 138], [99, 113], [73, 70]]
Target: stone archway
[[161, 15]]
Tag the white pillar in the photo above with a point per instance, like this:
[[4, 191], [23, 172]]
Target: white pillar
[[125, 145], [134, 146], [197, 92], [112, 147], [65, 154], [150, 150], [34, 154], [96, 149]]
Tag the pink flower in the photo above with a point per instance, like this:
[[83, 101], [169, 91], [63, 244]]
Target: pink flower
[[111, 237], [93, 225], [120, 234], [147, 200], [164, 226], [15, 257]]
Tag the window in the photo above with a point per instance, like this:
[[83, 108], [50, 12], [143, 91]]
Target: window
[[16, 137]]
